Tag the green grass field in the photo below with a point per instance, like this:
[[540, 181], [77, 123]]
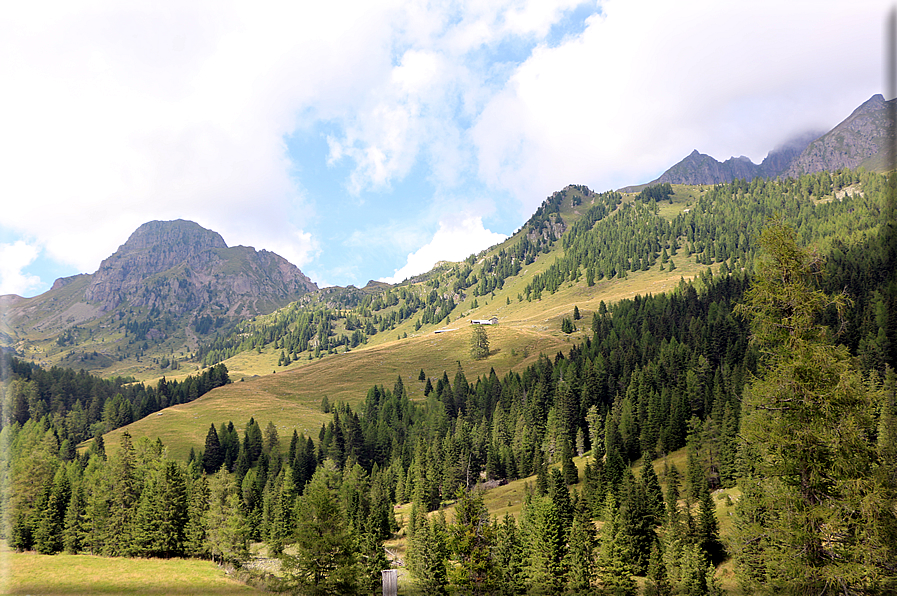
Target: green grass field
[[74, 575]]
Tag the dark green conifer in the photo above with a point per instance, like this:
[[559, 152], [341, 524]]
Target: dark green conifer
[[213, 455]]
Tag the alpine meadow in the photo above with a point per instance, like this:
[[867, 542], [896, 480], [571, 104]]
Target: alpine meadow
[[685, 387]]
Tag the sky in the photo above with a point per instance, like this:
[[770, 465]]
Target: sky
[[371, 139]]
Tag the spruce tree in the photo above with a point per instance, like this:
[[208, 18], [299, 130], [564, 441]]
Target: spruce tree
[[658, 583], [73, 534], [326, 552], [195, 529], [213, 455], [48, 534], [570, 472], [123, 498], [427, 553], [708, 528], [653, 493], [580, 555], [227, 530], [508, 554], [471, 539]]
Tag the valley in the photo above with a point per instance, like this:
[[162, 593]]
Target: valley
[[619, 340]]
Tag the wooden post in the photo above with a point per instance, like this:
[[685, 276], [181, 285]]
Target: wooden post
[[390, 582]]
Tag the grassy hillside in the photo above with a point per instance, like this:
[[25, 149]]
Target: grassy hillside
[[290, 396]]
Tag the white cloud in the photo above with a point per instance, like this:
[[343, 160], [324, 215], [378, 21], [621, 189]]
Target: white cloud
[[13, 258], [649, 80], [124, 113], [114, 114], [457, 238]]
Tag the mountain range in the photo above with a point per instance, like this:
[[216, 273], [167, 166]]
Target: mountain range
[[173, 286], [863, 139]]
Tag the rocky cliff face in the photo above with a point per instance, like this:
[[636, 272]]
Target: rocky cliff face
[[179, 267], [863, 139], [171, 285]]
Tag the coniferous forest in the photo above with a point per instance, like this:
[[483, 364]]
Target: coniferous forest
[[772, 370]]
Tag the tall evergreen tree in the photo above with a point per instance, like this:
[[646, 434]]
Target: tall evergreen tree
[[427, 553], [73, 535], [812, 513], [472, 537], [213, 455], [48, 538], [508, 554], [326, 554]]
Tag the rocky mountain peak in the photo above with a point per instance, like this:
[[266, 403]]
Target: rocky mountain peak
[[863, 139], [179, 266], [180, 236]]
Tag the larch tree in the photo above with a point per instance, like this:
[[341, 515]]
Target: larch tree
[[479, 342], [814, 515]]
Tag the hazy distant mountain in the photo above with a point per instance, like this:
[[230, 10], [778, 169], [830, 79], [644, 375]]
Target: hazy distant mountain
[[860, 140], [699, 168]]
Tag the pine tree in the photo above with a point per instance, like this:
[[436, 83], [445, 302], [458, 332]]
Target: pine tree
[[73, 534], [471, 539], [427, 554], [570, 472], [508, 554], [227, 531], [653, 492], [195, 529], [172, 510], [708, 528], [614, 571], [545, 540], [48, 535], [123, 498], [326, 552], [581, 554], [658, 583], [252, 441]]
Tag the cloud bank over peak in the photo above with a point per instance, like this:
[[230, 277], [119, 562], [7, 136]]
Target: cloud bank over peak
[[292, 126]]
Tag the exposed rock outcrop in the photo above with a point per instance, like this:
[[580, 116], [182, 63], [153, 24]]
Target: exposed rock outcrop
[[864, 138], [179, 266]]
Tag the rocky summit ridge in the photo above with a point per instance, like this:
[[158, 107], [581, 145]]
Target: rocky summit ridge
[[169, 285], [179, 266], [862, 139]]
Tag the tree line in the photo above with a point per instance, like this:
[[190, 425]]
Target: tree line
[[80, 406]]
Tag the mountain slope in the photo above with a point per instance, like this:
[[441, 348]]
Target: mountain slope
[[863, 139], [170, 284]]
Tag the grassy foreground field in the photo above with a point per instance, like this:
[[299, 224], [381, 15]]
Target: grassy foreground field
[[73, 575]]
